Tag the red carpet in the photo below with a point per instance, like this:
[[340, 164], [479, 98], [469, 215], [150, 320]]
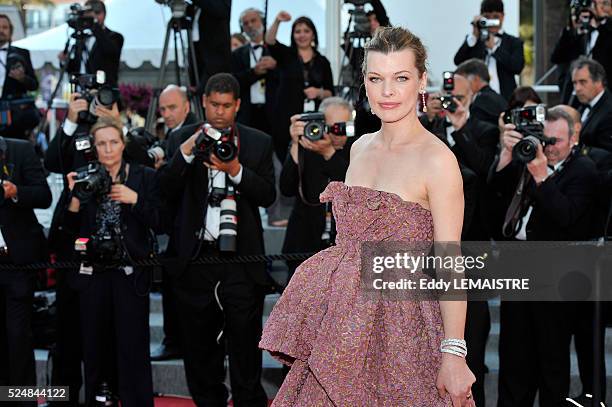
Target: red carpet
[[169, 401]]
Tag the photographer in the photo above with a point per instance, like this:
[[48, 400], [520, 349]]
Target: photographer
[[503, 53], [22, 241], [199, 181], [17, 78], [486, 104], [309, 167], [587, 34], [102, 49], [555, 205], [175, 109], [116, 212], [63, 157]]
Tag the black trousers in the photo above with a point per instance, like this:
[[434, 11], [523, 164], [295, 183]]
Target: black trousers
[[17, 366], [583, 327], [169, 310], [68, 353], [115, 314], [534, 353], [201, 320], [477, 327]]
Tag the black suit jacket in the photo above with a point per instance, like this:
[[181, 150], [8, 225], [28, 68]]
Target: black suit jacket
[[488, 105], [562, 204], [21, 231], [571, 45], [509, 57], [241, 69], [14, 89], [137, 221], [214, 45], [185, 188], [307, 222], [104, 56], [597, 128]]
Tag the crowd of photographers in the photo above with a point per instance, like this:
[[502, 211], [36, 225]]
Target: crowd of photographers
[[273, 128]]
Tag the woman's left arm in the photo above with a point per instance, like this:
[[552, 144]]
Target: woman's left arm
[[445, 194]]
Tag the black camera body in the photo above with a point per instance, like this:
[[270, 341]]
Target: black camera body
[[94, 90], [212, 141], [143, 147], [529, 121], [91, 181], [448, 85], [78, 18], [104, 251], [579, 7], [315, 126]]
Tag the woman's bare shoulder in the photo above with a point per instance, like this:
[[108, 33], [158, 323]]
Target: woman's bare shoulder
[[362, 141], [437, 156]]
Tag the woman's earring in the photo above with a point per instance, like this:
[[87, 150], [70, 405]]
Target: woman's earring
[[424, 102]]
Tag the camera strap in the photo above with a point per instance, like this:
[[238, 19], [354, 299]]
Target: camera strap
[[521, 200]]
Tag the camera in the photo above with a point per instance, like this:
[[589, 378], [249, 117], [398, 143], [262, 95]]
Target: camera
[[78, 18], [94, 90], [212, 141], [529, 121], [448, 85], [578, 8], [92, 180], [315, 126], [178, 7], [143, 147], [104, 250], [484, 24], [360, 18]]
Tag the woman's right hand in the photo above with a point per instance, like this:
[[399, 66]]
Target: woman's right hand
[[283, 16]]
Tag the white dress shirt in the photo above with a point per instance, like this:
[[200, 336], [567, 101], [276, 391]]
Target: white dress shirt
[[216, 179], [522, 234], [258, 89], [590, 106]]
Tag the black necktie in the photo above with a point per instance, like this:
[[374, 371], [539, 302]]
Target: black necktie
[[256, 47]]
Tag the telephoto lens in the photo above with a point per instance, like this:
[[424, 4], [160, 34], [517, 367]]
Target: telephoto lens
[[228, 227]]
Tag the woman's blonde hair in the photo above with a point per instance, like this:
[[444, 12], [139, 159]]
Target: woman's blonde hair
[[393, 39], [105, 122]]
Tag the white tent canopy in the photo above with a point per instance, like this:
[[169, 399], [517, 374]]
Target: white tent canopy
[[141, 22]]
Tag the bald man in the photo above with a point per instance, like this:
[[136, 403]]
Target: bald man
[[174, 108]]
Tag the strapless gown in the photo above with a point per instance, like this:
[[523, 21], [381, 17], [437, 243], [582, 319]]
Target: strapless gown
[[344, 348]]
